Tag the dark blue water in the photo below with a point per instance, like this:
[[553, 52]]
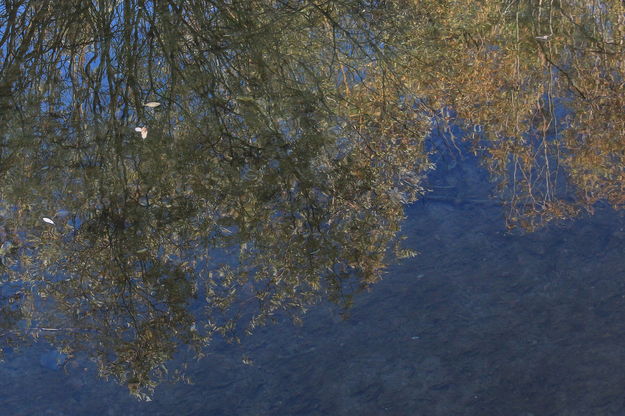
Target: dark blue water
[[481, 322]]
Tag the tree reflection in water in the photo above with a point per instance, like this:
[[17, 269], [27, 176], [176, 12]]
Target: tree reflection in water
[[273, 172], [539, 87]]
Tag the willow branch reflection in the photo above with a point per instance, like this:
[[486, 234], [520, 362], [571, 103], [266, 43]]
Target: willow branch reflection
[[538, 86], [274, 172], [267, 177]]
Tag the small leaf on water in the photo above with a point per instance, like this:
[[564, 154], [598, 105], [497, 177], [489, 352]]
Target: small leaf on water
[[152, 104], [48, 220], [143, 131]]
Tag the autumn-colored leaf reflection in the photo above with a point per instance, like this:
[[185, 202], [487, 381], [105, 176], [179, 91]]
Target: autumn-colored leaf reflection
[[273, 174], [208, 165], [539, 85]]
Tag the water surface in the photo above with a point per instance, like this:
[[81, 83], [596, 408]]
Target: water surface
[[292, 208]]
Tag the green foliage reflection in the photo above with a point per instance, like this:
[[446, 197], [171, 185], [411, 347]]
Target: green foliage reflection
[[288, 137], [273, 172]]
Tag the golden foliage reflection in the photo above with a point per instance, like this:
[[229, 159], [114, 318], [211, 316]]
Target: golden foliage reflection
[[274, 171]]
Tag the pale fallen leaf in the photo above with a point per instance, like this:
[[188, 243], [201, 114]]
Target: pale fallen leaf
[[152, 104], [48, 220], [143, 131]]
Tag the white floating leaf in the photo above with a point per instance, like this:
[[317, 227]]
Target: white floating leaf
[[152, 104], [143, 131], [48, 220]]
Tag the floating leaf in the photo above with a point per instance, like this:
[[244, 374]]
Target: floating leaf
[[143, 131], [152, 104], [48, 220]]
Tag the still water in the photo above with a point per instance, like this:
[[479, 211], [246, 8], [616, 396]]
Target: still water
[[481, 322], [301, 208]]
